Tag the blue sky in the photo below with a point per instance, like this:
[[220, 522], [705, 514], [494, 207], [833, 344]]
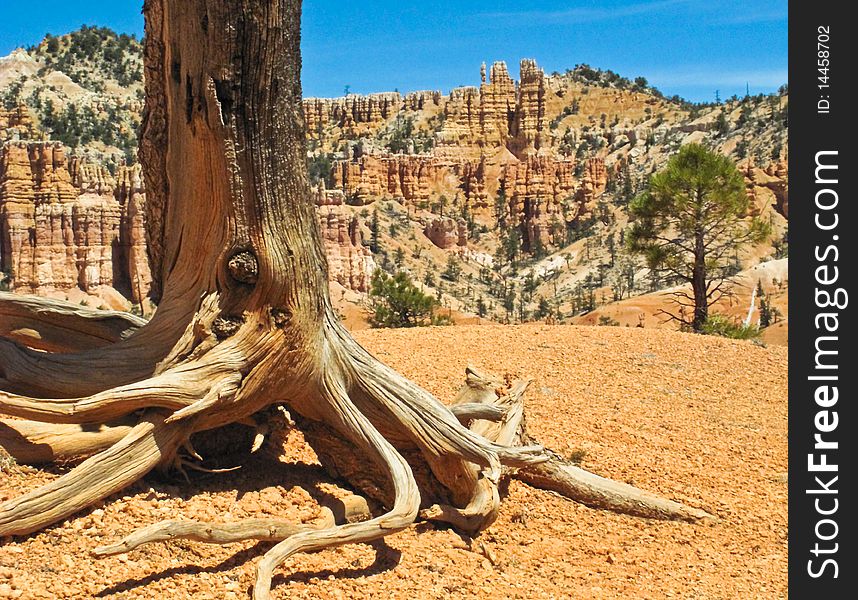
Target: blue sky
[[685, 47]]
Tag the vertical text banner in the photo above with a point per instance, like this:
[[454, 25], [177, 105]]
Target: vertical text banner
[[823, 431]]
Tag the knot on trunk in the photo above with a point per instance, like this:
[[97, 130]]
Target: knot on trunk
[[281, 316], [224, 327], [244, 267]]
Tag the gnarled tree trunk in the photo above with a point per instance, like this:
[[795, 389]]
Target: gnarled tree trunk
[[245, 321]]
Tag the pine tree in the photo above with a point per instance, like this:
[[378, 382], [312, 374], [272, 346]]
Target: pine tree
[[374, 229], [689, 222]]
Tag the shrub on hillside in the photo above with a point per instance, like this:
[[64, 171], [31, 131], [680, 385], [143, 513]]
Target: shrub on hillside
[[396, 302], [724, 326]]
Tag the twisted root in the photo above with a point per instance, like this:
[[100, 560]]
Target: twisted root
[[141, 450], [57, 326], [360, 408]]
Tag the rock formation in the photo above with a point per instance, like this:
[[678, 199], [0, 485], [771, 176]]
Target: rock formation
[[594, 181], [497, 104], [362, 179], [768, 189], [37, 197], [446, 232], [96, 217], [324, 197], [473, 178], [66, 224], [497, 114], [473, 116], [484, 129], [528, 122], [355, 114], [779, 184], [537, 189], [538, 176], [460, 136], [421, 100], [490, 142], [71, 224], [16, 125], [367, 177], [132, 231], [349, 263]]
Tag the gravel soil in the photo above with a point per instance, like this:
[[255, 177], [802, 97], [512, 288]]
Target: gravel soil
[[698, 419]]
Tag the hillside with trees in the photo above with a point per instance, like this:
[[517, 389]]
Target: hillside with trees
[[84, 88], [535, 177]]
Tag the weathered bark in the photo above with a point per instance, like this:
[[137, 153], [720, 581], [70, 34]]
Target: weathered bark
[[245, 320], [56, 326], [97, 477], [34, 443]]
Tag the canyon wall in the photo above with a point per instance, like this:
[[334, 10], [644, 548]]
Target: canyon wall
[[66, 223], [350, 263], [489, 142], [498, 113]]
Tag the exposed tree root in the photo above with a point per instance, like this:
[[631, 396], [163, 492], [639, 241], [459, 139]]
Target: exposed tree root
[[477, 516], [35, 373], [354, 425], [34, 443], [557, 474], [186, 390], [150, 442], [475, 411], [361, 409], [504, 426], [264, 530], [57, 326], [594, 491], [121, 351]]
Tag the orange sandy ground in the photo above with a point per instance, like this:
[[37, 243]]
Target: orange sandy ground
[[699, 419]]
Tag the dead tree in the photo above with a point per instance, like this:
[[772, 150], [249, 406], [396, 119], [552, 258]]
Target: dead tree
[[245, 322]]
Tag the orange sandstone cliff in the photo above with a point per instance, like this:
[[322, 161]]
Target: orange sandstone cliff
[[67, 223]]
